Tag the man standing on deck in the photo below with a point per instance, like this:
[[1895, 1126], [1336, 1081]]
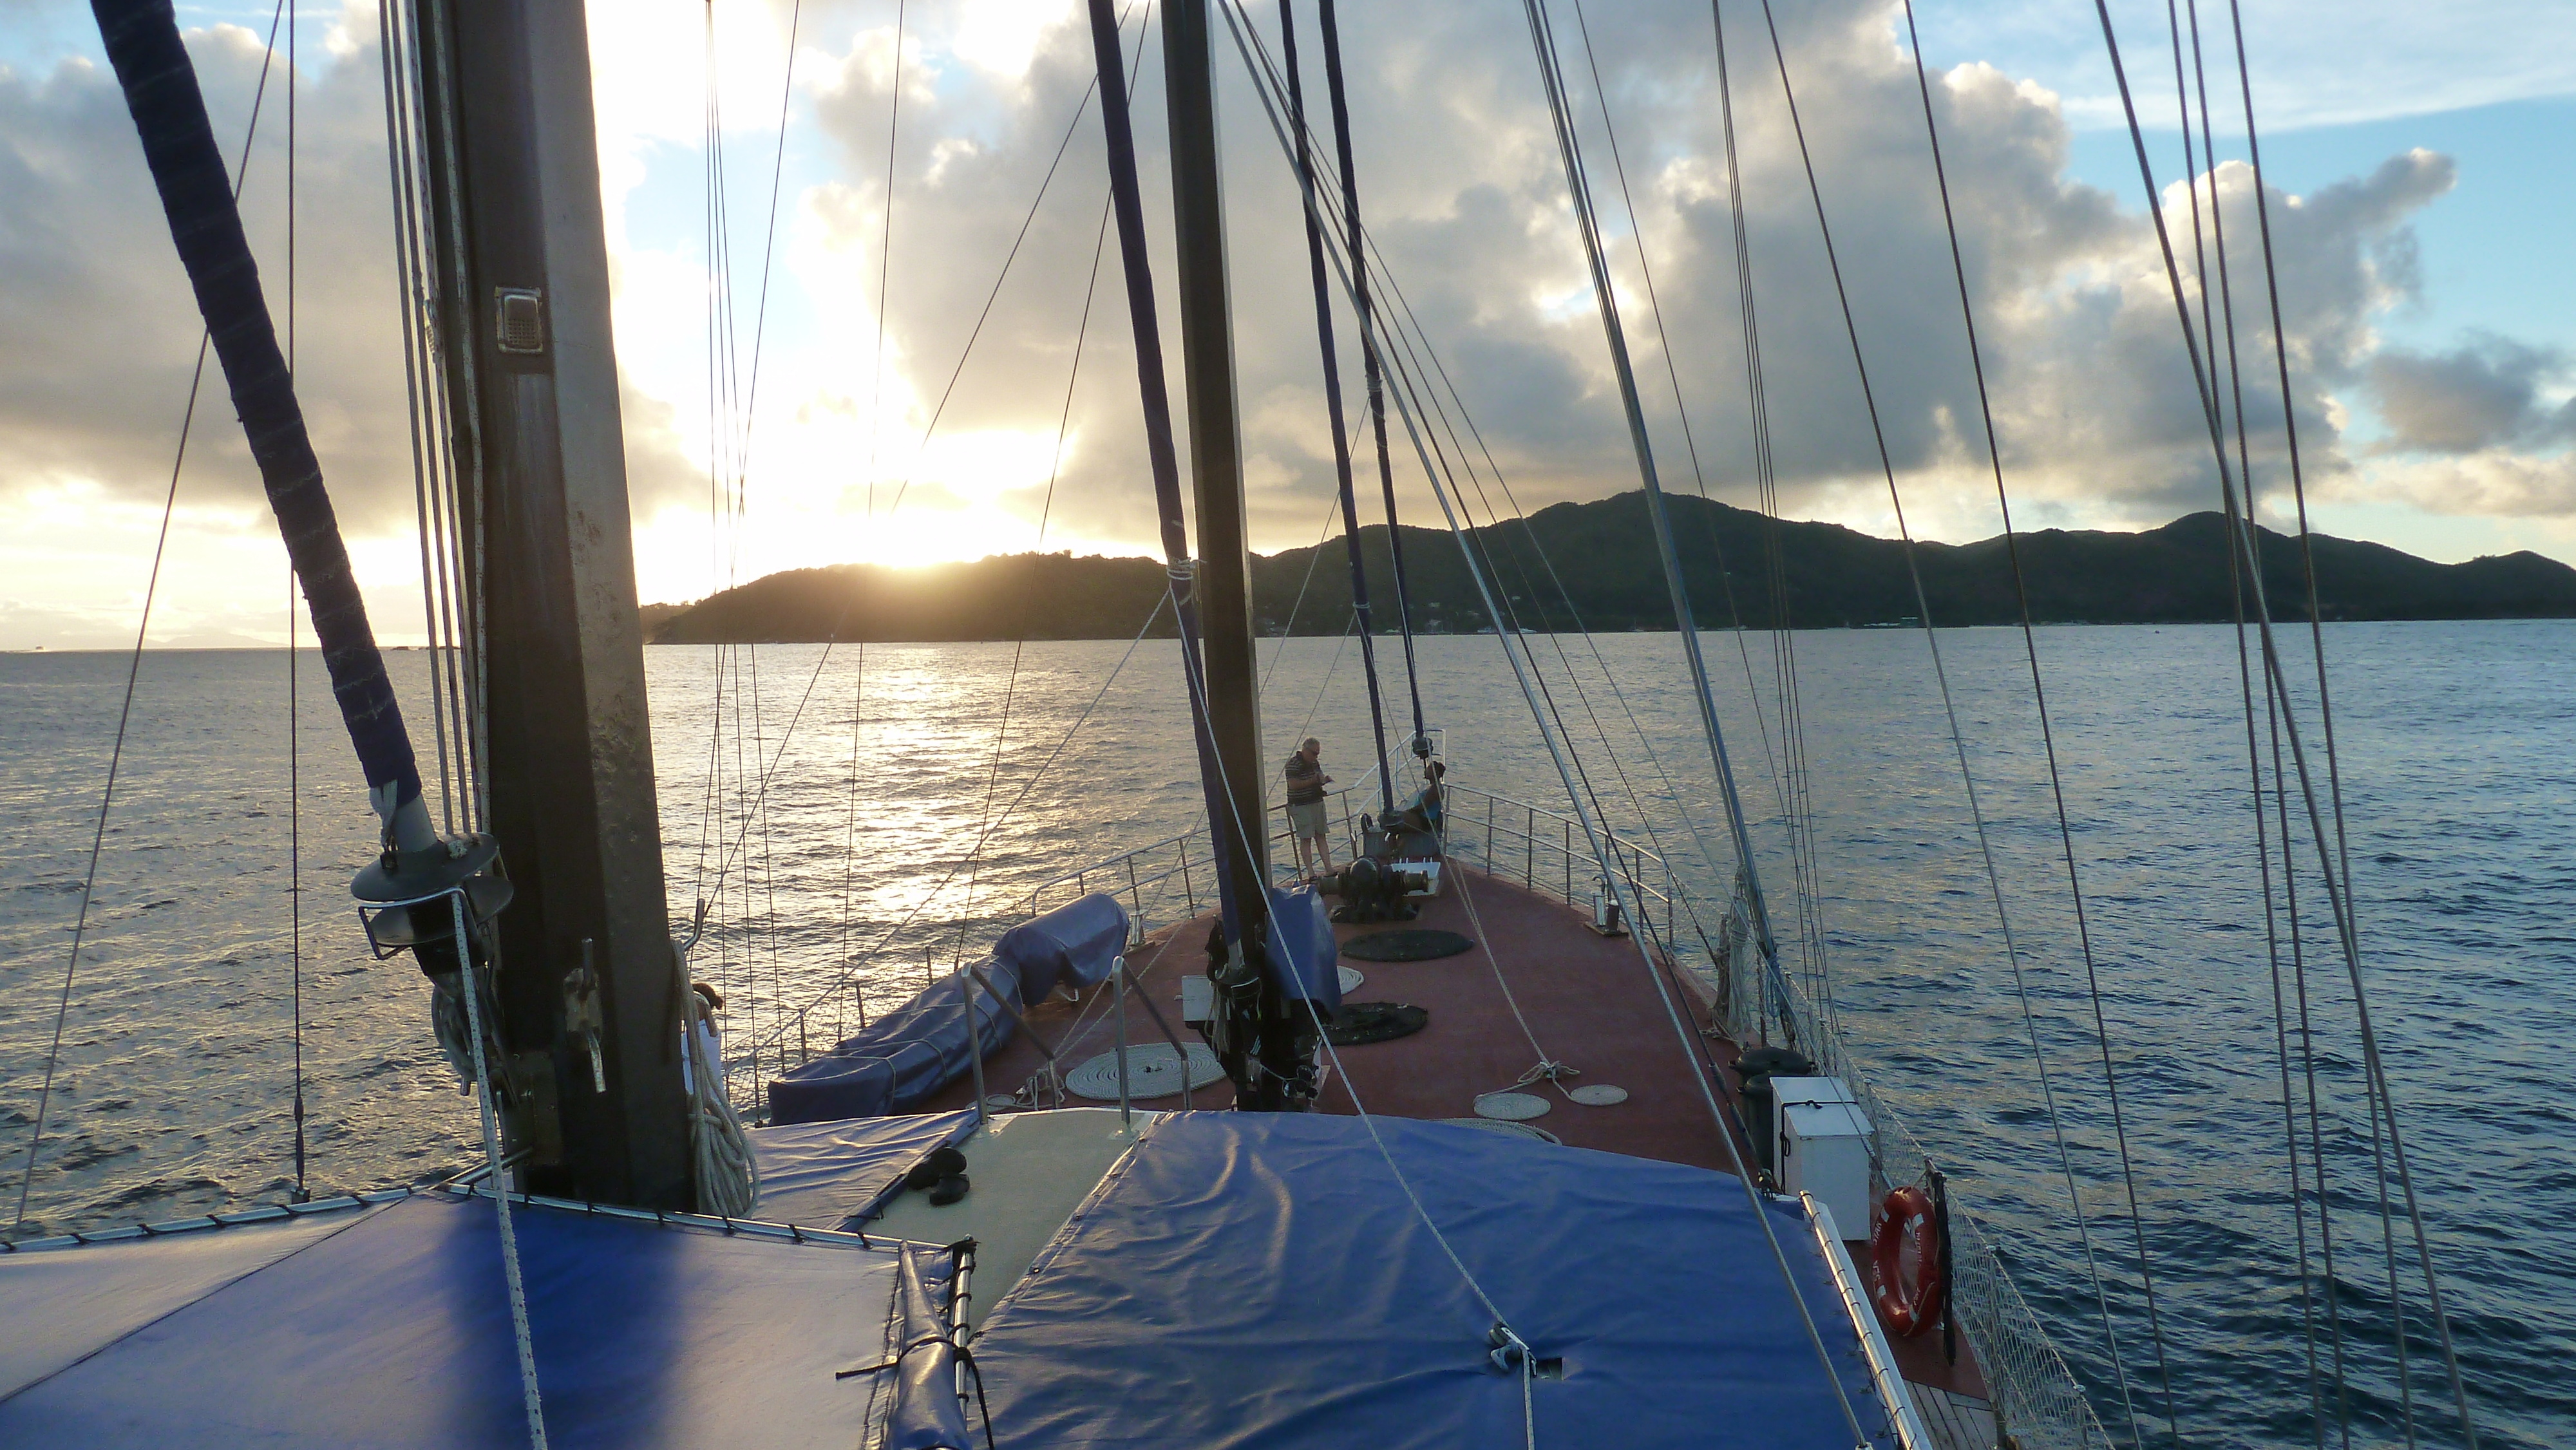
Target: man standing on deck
[[1306, 816]]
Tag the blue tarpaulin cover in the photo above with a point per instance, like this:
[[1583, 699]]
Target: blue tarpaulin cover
[[1302, 952], [390, 1327], [1255, 1279], [824, 1174], [904, 1058], [1071, 946], [57, 1305]]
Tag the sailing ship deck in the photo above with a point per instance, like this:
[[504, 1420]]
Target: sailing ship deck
[[1587, 999]]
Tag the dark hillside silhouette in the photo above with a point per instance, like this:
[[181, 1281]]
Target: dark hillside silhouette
[[1603, 560]]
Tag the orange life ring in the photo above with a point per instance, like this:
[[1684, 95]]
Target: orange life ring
[[1907, 1305]]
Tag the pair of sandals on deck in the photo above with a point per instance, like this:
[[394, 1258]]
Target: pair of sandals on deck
[[942, 1175]]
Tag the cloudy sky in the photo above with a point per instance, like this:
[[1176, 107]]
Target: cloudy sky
[[2420, 203]]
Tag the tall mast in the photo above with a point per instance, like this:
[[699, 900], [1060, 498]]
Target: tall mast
[[1265, 1045], [1216, 440], [522, 279]]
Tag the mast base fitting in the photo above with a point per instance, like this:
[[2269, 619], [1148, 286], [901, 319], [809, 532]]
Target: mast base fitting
[[407, 905], [1373, 891]]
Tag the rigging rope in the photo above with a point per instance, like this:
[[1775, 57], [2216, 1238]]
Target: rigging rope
[[1314, 221], [1375, 375], [770, 767], [415, 362], [294, 799], [134, 669], [2110, 1078], [1685, 619], [1267, 74], [1686, 622], [2030, 646], [937, 413], [2245, 465], [2325, 699], [1256, 58], [1540, 717], [1046, 512], [468, 571], [1691, 822], [1798, 803], [1672, 374], [471, 989], [2329, 873]]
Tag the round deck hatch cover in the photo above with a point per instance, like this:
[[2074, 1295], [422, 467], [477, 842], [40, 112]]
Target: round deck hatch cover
[[1153, 1071], [1597, 1094], [1357, 1024], [1413, 944], [1511, 1107]]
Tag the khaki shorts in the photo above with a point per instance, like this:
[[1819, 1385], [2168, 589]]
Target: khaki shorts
[[1308, 822]]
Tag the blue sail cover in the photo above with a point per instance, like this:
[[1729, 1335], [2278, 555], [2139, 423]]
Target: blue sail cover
[[1303, 955], [1071, 946], [389, 1327], [904, 1058], [1258, 1279]]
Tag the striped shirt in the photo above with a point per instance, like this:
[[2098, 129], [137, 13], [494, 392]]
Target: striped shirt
[[1305, 780]]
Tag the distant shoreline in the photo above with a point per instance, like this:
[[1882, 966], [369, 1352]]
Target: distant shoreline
[[1592, 568], [122, 651]]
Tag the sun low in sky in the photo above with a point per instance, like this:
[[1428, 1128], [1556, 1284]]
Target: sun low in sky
[[889, 335]]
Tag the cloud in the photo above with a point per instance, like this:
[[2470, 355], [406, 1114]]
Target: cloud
[[98, 333], [2493, 483], [2095, 408], [2480, 396]]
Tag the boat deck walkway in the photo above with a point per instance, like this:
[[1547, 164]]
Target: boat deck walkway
[[1589, 1001]]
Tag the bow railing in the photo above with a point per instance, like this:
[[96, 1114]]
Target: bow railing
[[1173, 880]]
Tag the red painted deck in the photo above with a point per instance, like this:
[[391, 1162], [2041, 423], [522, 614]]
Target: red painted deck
[[1589, 1001]]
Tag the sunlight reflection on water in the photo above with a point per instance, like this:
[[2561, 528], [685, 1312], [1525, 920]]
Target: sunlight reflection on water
[[2460, 751]]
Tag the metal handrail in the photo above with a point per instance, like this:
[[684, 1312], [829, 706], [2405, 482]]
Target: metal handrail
[[1161, 884]]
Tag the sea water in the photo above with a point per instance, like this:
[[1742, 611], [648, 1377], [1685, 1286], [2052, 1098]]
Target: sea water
[[856, 818]]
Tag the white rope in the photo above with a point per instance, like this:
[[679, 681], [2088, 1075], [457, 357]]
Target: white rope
[[1547, 1068], [726, 1173], [472, 993]]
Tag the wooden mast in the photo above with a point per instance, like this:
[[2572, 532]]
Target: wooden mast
[[1271, 1030], [523, 309], [1216, 436]]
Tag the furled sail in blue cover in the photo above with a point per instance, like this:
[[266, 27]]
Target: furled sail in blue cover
[[1071, 946], [904, 1058], [1303, 955]]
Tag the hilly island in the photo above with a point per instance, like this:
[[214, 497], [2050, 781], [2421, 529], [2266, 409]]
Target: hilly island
[[1593, 566]]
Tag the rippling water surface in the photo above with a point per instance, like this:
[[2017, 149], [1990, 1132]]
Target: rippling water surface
[[2458, 746]]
